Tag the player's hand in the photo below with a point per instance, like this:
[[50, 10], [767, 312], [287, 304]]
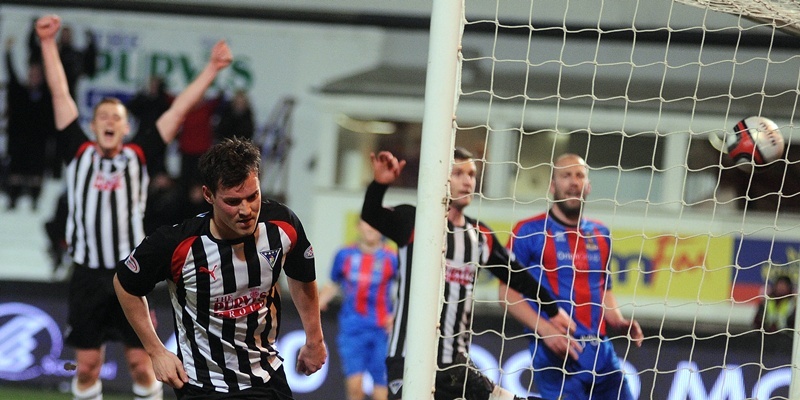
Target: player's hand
[[563, 346], [47, 26], [221, 55], [388, 325], [386, 167], [169, 369], [634, 331], [558, 340], [563, 322], [630, 327], [311, 357]]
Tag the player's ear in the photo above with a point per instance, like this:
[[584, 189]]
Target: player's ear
[[587, 189], [207, 195]]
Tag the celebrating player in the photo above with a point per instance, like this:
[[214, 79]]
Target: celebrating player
[[222, 270], [469, 244], [569, 254], [107, 189]]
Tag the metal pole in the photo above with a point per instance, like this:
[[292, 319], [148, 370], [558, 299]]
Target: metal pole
[[432, 192]]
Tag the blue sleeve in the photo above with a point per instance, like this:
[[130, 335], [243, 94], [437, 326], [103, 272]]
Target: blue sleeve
[[337, 272], [527, 247]]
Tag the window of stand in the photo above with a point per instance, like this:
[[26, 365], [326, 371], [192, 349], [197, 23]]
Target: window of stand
[[630, 169], [353, 170], [625, 170]]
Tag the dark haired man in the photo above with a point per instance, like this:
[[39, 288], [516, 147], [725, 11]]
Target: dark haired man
[[222, 270]]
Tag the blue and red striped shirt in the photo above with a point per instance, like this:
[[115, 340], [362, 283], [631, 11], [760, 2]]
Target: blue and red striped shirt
[[365, 280], [571, 262]]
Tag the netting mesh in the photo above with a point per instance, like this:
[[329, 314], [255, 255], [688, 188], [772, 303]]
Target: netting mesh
[[697, 242], [784, 14]]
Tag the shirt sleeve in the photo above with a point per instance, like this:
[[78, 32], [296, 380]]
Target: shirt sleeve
[[151, 142], [300, 259], [501, 265], [337, 271], [396, 223], [148, 264], [75, 138]]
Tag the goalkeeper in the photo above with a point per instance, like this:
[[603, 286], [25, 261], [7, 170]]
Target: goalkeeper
[[469, 244], [569, 254]]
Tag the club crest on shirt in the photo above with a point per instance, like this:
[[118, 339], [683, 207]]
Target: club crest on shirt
[[591, 243], [309, 253], [132, 264], [271, 256]]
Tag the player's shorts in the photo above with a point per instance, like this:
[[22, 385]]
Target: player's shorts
[[277, 388], [462, 379], [364, 350], [95, 315], [597, 371]]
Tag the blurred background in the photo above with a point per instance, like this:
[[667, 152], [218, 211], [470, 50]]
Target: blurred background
[[321, 84]]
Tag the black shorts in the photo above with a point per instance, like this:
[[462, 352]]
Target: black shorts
[[95, 315], [461, 379], [277, 388]]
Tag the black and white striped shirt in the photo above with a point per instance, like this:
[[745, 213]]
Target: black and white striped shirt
[[224, 294], [106, 197], [468, 247]]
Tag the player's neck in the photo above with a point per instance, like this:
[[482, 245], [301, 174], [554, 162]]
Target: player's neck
[[456, 216], [367, 247], [563, 218], [219, 232], [109, 153]]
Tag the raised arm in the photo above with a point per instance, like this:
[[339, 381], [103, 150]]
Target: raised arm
[[386, 167], [313, 353], [64, 107], [166, 365], [171, 120]]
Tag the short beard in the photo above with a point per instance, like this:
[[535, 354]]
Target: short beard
[[569, 212]]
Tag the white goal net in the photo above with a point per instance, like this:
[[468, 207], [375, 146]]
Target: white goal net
[[697, 243]]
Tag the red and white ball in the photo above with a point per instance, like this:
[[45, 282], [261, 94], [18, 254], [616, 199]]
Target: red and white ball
[[755, 141]]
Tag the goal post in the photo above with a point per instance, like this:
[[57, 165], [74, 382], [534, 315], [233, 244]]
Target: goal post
[[430, 223], [636, 89]]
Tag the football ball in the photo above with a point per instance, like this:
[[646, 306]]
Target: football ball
[[755, 141]]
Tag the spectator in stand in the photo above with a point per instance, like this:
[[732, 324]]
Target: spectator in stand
[[164, 196], [146, 106], [30, 125], [197, 136], [236, 118], [776, 310], [363, 273]]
